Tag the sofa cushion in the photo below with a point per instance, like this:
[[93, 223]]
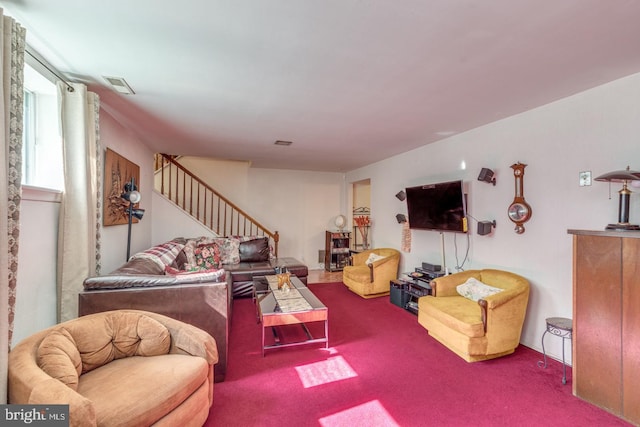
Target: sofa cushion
[[254, 250], [118, 335], [172, 377], [457, 313], [475, 290], [59, 357]]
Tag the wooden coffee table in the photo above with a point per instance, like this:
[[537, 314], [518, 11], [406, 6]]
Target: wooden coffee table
[[297, 306]]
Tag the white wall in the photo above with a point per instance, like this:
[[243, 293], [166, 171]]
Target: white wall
[[596, 131], [114, 237]]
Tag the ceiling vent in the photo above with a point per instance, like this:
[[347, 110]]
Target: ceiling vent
[[119, 85], [281, 142]]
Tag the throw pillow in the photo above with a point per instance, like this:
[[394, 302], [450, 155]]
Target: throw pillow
[[475, 290], [59, 357], [229, 250], [373, 258], [163, 255], [207, 256]]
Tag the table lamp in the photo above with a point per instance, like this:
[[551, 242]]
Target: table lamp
[[623, 176]]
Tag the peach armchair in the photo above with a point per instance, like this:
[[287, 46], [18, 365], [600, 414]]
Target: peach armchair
[[122, 367], [478, 323], [372, 279]]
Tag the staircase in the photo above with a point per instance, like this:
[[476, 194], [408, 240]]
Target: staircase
[[203, 203]]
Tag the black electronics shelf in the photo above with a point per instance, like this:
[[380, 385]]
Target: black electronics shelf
[[406, 291]]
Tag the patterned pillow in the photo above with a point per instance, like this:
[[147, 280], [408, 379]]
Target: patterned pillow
[[475, 290], [229, 249], [207, 256], [163, 255]]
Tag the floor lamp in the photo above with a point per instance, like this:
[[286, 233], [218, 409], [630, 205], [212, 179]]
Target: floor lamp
[[131, 195]]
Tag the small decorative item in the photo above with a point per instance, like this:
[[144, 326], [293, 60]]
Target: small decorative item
[[340, 222], [284, 281], [363, 222]]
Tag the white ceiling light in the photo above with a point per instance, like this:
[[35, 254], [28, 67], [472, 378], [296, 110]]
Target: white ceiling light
[[119, 84]]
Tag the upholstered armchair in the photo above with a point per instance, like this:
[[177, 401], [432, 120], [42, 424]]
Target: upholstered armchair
[[480, 320], [372, 278], [122, 367]]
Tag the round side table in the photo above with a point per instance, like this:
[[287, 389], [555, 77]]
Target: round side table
[[560, 327]]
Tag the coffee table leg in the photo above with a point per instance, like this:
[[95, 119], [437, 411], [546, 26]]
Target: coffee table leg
[[326, 333]]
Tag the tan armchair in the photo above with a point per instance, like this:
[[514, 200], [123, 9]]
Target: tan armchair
[[374, 279], [122, 367], [481, 330]]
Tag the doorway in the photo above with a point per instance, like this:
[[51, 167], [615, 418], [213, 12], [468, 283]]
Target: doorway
[[361, 215]]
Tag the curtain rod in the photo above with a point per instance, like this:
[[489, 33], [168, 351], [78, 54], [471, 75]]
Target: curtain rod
[[69, 87]]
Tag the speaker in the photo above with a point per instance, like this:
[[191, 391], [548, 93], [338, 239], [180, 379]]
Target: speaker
[[401, 218], [401, 195], [431, 267], [486, 175], [484, 227]]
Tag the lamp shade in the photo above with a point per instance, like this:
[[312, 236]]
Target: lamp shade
[[620, 176]]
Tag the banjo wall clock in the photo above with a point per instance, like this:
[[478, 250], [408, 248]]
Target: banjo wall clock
[[519, 210]]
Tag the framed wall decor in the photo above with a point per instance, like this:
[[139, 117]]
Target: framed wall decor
[[117, 172]]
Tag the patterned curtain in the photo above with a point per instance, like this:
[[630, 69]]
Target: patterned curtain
[[12, 42], [79, 225]]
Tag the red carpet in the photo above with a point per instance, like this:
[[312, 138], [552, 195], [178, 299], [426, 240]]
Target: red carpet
[[383, 369]]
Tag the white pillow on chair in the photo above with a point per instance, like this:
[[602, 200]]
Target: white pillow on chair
[[373, 258], [475, 290]]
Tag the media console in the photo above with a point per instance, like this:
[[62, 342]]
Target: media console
[[406, 290]]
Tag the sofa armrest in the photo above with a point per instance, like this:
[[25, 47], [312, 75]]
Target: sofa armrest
[[187, 339], [53, 392]]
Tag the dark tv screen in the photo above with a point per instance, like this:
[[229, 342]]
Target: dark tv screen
[[438, 207]]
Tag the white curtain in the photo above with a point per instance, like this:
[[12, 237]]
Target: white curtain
[[80, 221], [12, 37]]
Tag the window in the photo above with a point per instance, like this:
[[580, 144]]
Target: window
[[42, 145]]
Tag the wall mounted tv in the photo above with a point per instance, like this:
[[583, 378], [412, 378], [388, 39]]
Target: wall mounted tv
[[438, 207]]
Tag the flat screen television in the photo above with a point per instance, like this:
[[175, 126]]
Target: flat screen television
[[438, 207]]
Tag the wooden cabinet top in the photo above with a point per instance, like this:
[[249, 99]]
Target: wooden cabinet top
[[606, 233]]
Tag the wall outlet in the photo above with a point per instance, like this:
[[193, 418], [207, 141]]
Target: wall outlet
[[585, 178]]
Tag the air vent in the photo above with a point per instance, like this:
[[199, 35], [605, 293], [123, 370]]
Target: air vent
[[119, 85], [281, 142]]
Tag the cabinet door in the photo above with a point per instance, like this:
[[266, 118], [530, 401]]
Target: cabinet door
[[631, 330], [597, 321]]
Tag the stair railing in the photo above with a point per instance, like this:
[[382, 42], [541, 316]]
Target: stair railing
[[205, 204]]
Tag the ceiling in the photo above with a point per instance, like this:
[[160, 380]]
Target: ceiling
[[349, 82]]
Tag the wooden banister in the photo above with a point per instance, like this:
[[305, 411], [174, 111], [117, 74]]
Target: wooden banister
[[205, 204]]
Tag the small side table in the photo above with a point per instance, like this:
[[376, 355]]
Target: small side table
[[561, 327]]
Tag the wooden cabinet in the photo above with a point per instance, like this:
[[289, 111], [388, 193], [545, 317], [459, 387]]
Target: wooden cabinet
[[606, 320], [336, 251]]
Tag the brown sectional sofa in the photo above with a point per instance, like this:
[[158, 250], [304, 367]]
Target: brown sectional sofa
[[141, 285]]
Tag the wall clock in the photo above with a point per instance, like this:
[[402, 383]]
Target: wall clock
[[519, 210]]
